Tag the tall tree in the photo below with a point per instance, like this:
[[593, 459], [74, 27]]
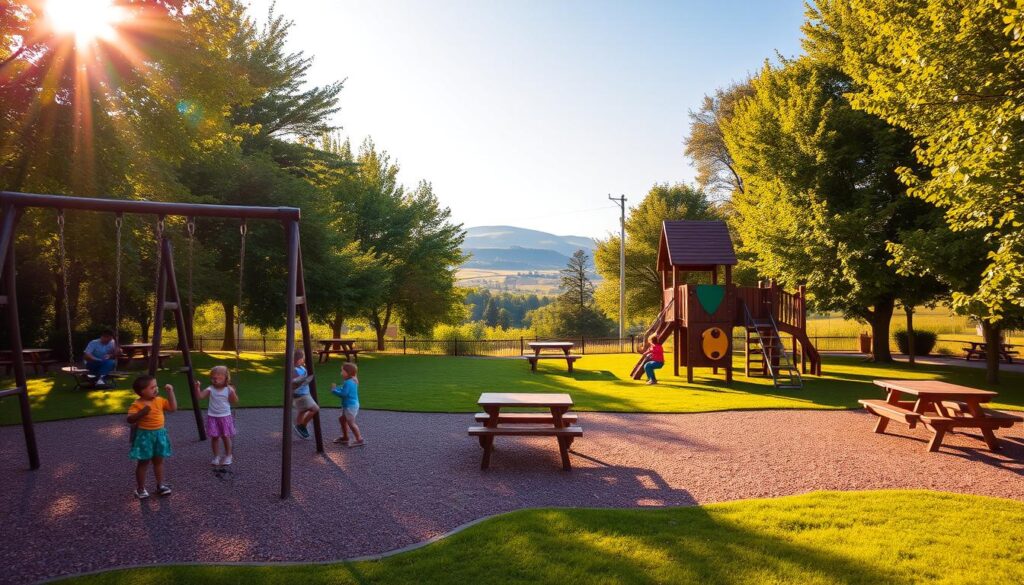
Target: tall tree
[[643, 231], [416, 246], [574, 313], [822, 198], [705, 145], [951, 74]]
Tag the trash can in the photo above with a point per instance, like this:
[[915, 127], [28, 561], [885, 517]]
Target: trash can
[[865, 343]]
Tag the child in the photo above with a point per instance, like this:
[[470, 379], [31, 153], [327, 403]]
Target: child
[[219, 422], [655, 358], [151, 442], [303, 404], [349, 394]]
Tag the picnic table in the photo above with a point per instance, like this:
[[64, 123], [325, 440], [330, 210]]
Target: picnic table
[[979, 349], [940, 407], [538, 346], [139, 351], [39, 359], [341, 346], [556, 422]]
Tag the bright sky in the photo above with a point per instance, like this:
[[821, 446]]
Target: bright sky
[[530, 112]]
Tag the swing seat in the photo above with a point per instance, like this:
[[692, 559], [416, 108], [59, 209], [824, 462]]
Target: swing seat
[[86, 380]]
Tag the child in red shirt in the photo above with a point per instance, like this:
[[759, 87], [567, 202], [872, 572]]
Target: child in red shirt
[[655, 358]]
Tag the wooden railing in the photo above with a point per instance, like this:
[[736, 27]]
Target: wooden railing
[[789, 308]]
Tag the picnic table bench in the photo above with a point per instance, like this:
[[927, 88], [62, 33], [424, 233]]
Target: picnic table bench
[[979, 350], [538, 346], [556, 423], [345, 347], [131, 352], [39, 359], [940, 407]]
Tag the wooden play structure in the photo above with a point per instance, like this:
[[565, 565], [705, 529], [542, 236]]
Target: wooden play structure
[[701, 317]]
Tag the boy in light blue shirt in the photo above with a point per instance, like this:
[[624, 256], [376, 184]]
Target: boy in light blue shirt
[[349, 394], [100, 357]]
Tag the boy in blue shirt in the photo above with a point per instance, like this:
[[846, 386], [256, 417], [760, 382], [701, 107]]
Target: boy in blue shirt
[[349, 394], [100, 357]]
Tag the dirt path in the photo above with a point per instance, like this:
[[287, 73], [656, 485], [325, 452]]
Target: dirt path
[[419, 477]]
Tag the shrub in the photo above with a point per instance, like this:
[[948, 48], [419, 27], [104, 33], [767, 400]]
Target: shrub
[[924, 341]]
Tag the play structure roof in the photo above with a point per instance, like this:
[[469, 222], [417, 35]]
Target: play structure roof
[[690, 244]]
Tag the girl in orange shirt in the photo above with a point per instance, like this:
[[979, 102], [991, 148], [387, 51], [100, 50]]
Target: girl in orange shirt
[[150, 442]]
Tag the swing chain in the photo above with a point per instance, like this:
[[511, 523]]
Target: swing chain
[[191, 225], [159, 263], [243, 230], [118, 222], [62, 250]]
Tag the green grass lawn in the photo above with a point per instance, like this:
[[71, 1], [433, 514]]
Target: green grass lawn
[[818, 538], [453, 384]]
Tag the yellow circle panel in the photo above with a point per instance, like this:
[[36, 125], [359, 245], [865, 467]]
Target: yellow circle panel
[[714, 343]]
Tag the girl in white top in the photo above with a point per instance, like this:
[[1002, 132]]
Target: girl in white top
[[219, 422]]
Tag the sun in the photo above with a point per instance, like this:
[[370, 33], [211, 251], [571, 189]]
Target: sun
[[87, 20]]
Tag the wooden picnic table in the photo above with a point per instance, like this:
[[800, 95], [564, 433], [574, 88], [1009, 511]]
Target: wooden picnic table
[[940, 407], [554, 423], [538, 346], [139, 351], [979, 349], [38, 358], [342, 346]]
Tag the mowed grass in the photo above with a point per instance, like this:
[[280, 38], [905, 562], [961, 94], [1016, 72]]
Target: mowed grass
[[453, 384], [878, 537]]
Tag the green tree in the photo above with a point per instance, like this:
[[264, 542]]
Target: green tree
[[490, 316], [416, 246], [705, 144], [822, 199], [643, 233], [950, 73]]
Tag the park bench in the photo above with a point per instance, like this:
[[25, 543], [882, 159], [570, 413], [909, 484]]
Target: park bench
[[565, 436], [528, 418], [533, 359], [901, 412]]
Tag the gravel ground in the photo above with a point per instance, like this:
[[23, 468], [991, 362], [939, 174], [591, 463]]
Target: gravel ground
[[419, 477]]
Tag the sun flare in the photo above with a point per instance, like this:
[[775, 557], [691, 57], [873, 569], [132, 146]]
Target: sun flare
[[87, 20]]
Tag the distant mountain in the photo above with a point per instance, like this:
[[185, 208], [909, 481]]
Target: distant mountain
[[522, 259], [508, 237]]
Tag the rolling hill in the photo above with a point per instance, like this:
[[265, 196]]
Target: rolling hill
[[513, 248]]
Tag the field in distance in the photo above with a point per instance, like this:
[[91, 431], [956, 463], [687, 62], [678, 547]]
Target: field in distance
[[540, 282]]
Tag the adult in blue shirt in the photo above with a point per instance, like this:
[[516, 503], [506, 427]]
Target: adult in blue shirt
[[101, 356]]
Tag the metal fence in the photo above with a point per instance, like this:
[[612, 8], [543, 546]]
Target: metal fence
[[451, 347], [520, 346]]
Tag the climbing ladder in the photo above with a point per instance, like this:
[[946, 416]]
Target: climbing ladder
[[661, 328], [766, 354]]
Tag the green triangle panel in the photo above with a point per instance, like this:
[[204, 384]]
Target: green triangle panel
[[710, 296]]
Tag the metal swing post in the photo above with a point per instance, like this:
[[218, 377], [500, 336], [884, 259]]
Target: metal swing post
[[10, 298], [167, 282], [292, 243]]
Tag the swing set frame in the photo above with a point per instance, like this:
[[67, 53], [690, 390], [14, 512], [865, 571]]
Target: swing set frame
[[13, 204]]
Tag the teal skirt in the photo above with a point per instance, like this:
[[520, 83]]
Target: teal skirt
[[149, 444]]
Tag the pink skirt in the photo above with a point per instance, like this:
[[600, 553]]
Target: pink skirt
[[220, 426]]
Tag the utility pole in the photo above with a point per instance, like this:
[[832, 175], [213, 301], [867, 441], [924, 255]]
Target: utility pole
[[621, 201]]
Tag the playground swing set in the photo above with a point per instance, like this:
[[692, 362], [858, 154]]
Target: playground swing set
[[701, 317], [168, 298]]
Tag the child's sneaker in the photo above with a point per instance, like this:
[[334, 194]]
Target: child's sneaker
[[301, 431], [141, 494], [227, 460], [216, 461], [340, 441], [163, 490], [358, 443]]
